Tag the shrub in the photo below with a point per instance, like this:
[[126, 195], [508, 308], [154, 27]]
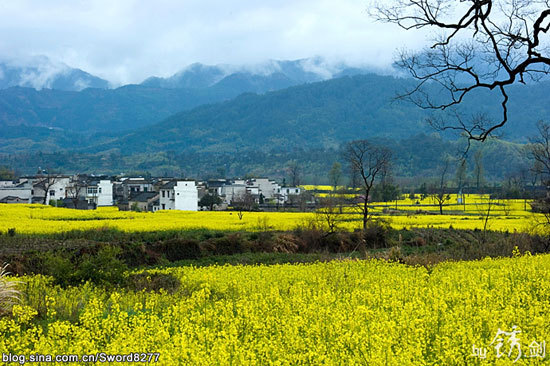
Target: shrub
[[376, 234], [60, 267], [146, 281], [104, 268], [230, 244], [178, 249], [285, 243], [395, 254]]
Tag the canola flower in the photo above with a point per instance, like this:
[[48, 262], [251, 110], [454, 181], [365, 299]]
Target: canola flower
[[337, 313], [505, 215]]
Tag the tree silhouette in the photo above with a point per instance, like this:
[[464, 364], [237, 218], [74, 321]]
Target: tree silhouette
[[481, 45]]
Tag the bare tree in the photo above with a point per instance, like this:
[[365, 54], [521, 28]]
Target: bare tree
[[328, 214], [335, 175], [368, 161], [75, 190], [243, 202], [294, 173], [438, 190], [461, 174], [478, 169], [481, 45], [484, 210], [539, 149], [462, 180], [46, 183]]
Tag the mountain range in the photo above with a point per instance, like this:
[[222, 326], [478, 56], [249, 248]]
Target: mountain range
[[99, 109], [281, 108]]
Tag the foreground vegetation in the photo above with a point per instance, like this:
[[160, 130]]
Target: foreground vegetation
[[203, 288], [341, 312]]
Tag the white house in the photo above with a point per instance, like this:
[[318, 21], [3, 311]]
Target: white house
[[266, 187], [284, 194], [231, 191], [167, 201], [179, 195], [186, 196], [100, 193], [15, 192]]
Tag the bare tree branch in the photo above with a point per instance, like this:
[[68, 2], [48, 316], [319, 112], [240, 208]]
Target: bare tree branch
[[483, 45]]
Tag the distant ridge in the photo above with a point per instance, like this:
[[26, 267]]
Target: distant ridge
[[42, 73], [262, 77]]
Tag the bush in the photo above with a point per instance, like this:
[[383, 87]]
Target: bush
[[230, 244], [146, 281], [309, 239], [60, 267], [395, 255], [376, 234], [177, 249], [285, 243], [11, 231], [101, 267], [104, 268]]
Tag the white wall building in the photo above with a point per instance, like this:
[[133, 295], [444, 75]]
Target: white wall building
[[284, 193], [231, 191], [186, 196], [105, 197], [100, 193], [167, 201], [14, 192], [267, 188], [179, 195]]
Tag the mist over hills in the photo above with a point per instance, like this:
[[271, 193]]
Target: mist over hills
[[42, 73], [207, 118], [266, 76], [98, 109]]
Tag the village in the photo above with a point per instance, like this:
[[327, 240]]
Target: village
[[89, 192]]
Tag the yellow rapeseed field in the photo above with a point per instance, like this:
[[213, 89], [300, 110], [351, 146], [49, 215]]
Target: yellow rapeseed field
[[511, 215], [337, 313]]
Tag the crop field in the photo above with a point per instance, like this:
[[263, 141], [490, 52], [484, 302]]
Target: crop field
[[346, 312], [504, 215]]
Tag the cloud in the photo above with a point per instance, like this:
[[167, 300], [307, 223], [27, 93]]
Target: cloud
[[126, 40], [40, 72]]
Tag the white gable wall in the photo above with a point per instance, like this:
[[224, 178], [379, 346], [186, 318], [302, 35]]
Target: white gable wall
[[105, 193], [186, 196]]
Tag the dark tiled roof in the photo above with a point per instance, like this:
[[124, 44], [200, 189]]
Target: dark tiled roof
[[144, 196], [169, 185], [136, 181]]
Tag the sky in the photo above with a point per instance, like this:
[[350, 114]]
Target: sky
[[126, 41]]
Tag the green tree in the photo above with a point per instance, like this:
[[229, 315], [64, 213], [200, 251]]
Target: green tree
[[209, 200], [6, 173]]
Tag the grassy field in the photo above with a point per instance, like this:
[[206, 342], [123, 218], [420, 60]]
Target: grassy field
[[337, 313], [504, 215]]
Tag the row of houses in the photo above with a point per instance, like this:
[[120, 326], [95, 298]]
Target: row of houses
[[143, 194]]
